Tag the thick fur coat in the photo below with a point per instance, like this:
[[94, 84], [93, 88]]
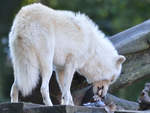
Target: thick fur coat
[[43, 39]]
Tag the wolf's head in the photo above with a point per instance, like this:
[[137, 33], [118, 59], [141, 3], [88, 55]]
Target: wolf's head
[[100, 87]]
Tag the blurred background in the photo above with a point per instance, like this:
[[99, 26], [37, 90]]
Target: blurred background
[[112, 16]]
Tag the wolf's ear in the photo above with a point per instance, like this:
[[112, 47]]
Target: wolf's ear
[[120, 59]]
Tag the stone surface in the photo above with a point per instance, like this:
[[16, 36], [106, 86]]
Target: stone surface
[[37, 108], [11, 108], [131, 111], [64, 109]]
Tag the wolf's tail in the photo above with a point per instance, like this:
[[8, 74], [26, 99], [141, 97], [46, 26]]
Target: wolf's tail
[[25, 62]]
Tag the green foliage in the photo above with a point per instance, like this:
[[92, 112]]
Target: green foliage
[[112, 16], [25, 2]]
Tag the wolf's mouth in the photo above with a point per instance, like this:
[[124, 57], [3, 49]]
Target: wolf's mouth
[[100, 91]]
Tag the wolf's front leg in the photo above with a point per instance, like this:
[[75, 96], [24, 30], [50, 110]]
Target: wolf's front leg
[[64, 79], [67, 98]]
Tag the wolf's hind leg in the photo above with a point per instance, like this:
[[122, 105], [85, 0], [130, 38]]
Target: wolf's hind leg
[[64, 79], [46, 68], [14, 92], [46, 75]]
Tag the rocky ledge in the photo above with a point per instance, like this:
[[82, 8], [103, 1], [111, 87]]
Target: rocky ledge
[[36, 108]]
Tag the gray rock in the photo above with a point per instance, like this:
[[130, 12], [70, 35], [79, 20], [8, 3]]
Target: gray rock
[[11, 108], [36, 108]]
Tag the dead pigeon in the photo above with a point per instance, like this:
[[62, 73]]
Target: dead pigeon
[[95, 104]]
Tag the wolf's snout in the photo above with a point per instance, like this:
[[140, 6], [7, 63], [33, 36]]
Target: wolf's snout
[[100, 91]]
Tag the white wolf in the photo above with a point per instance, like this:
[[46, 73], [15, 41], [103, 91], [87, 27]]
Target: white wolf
[[43, 39]]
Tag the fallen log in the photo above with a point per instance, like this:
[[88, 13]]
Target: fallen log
[[134, 43]]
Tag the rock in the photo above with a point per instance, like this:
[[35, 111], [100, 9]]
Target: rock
[[37, 108], [11, 108], [131, 111]]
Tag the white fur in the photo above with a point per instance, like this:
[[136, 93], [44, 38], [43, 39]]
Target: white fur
[[42, 38]]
